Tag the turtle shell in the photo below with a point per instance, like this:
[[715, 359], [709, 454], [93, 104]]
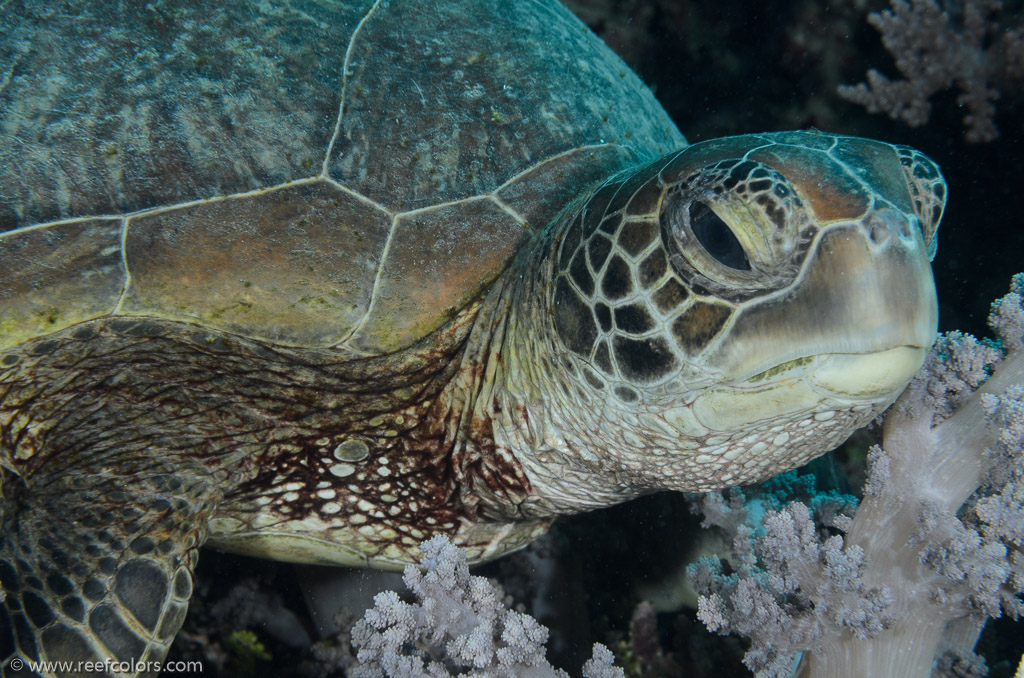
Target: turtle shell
[[344, 174]]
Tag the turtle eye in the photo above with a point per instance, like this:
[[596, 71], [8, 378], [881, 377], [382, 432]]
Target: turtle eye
[[715, 236]]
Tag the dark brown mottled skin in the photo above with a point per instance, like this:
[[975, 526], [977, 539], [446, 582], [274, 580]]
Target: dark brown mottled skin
[[317, 282]]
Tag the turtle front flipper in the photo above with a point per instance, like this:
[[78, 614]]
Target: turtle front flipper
[[97, 565]]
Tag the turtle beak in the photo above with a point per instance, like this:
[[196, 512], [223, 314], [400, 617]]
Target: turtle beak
[[865, 312]]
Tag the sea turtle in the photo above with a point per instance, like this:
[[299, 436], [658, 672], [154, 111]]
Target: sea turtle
[[316, 281]]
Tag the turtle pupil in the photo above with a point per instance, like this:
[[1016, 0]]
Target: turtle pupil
[[716, 237]]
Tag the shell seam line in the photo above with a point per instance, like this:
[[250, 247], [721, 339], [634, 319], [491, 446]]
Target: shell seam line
[[492, 196], [512, 212], [373, 292], [288, 184], [124, 264], [356, 194], [344, 86], [146, 211], [59, 222], [550, 158]]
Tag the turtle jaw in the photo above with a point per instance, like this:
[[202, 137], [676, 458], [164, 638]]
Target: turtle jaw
[[881, 375], [811, 386]]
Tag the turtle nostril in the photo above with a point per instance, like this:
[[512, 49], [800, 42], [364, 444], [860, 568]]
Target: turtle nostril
[[878, 232], [885, 224], [905, 231]]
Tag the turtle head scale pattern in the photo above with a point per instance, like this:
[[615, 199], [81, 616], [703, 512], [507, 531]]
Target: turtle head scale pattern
[[723, 275]]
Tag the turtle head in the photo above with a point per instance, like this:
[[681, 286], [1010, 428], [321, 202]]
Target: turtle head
[[774, 289]]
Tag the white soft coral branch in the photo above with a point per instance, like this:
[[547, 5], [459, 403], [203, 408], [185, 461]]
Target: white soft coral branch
[[942, 443]]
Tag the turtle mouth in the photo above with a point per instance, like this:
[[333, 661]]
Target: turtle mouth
[[821, 384], [858, 375], [881, 373]]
